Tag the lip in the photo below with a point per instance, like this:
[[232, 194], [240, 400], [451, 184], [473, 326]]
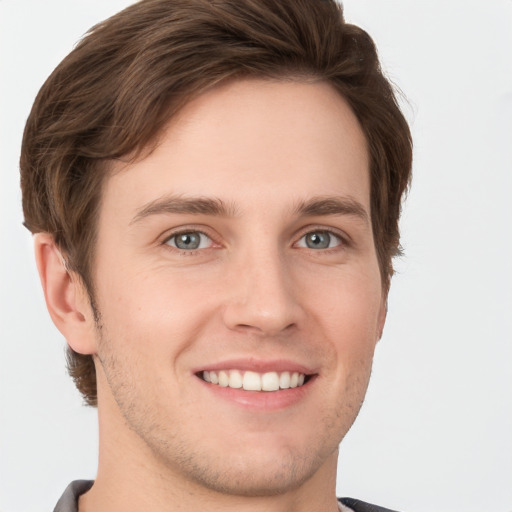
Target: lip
[[259, 401], [257, 365]]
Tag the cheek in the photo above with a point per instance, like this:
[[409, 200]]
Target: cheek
[[346, 303], [154, 307], [346, 309]]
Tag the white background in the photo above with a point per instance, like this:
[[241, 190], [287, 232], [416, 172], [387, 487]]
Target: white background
[[435, 433]]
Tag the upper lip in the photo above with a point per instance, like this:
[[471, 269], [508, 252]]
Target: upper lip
[[257, 365]]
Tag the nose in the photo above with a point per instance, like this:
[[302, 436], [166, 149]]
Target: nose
[[262, 297]]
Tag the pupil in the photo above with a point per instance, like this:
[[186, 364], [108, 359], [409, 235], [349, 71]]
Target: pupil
[[188, 241], [318, 240]]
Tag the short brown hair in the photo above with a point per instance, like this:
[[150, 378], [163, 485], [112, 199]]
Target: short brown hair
[[113, 94]]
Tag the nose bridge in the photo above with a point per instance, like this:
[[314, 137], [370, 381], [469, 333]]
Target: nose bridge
[[261, 297]]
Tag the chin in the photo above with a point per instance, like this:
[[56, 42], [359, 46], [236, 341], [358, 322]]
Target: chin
[[256, 478], [270, 467]]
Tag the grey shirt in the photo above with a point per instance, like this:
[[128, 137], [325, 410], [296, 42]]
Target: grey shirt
[[69, 500]]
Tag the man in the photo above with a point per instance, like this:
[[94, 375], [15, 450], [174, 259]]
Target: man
[[214, 188]]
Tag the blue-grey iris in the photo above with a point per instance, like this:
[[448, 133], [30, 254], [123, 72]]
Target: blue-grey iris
[[318, 240], [187, 241]]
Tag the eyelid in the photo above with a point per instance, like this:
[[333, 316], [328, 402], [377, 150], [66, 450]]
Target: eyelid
[[204, 241], [345, 240], [181, 230]]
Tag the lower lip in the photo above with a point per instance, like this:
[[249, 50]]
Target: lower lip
[[261, 400]]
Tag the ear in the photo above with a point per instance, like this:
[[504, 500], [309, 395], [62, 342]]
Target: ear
[[381, 319], [65, 295]]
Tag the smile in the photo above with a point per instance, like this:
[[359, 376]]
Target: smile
[[254, 381]]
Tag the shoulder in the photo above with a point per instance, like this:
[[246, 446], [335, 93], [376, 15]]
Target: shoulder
[[361, 506], [69, 500]]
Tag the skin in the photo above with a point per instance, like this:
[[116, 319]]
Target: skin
[[254, 291]]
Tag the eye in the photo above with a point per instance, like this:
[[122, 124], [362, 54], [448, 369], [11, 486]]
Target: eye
[[189, 241], [319, 240]]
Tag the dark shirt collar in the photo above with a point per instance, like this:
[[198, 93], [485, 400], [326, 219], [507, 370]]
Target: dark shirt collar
[[69, 500]]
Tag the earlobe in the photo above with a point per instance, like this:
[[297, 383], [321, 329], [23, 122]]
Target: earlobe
[[65, 296], [382, 318]]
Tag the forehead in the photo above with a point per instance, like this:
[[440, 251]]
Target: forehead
[[251, 142]]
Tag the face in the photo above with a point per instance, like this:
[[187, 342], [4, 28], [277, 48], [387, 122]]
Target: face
[[239, 290]]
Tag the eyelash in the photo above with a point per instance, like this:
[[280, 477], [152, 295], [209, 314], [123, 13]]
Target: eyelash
[[342, 239], [189, 231]]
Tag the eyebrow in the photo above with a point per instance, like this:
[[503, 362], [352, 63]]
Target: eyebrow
[[181, 205], [314, 207], [332, 205]]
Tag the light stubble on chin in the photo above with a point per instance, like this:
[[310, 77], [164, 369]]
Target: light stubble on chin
[[233, 475]]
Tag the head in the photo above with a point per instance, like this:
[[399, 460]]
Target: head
[[113, 97]]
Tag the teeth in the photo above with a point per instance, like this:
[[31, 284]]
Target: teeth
[[284, 380], [223, 379], [270, 381], [253, 381], [235, 379]]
